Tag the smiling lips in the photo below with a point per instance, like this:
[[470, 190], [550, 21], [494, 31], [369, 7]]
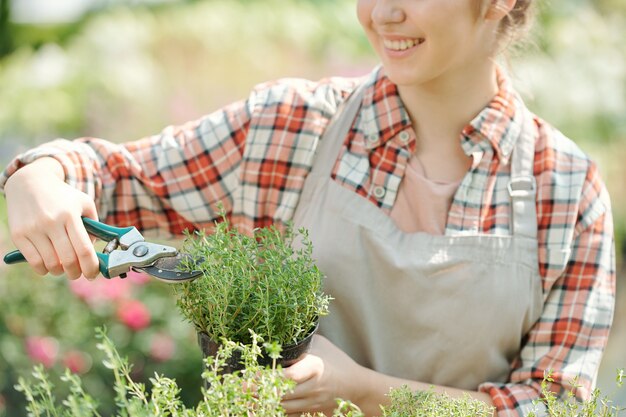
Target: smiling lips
[[402, 44]]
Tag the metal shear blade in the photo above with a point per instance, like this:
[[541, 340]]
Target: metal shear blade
[[130, 251], [166, 270]]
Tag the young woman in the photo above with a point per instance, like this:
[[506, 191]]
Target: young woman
[[467, 243]]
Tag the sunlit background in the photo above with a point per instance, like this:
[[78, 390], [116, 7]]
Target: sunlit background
[[124, 69]]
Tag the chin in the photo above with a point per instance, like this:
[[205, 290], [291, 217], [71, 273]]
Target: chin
[[406, 77]]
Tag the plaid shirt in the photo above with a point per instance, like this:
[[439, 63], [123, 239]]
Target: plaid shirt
[[254, 156]]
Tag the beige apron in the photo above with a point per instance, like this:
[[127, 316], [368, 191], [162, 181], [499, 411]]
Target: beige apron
[[446, 310]]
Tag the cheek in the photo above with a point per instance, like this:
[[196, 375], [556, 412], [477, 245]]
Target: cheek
[[451, 25], [364, 12], [479, 7]]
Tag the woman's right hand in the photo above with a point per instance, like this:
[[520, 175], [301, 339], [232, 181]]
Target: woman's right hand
[[45, 220]]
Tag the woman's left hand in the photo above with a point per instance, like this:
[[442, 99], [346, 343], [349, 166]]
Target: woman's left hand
[[323, 375]]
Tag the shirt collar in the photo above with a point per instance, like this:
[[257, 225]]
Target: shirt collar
[[382, 114], [498, 125]]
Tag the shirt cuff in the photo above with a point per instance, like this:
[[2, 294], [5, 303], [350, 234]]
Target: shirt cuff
[[515, 400], [77, 168]]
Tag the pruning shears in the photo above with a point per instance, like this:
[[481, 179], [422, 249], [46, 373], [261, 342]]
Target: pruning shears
[[127, 249]]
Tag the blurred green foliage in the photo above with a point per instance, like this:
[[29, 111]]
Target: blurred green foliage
[[124, 72], [6, 44], [142, 68]]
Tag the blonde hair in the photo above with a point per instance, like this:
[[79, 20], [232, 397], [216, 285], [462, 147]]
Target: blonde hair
[[518, 21]]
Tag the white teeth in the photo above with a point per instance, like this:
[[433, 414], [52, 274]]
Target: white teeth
[[400, 45]]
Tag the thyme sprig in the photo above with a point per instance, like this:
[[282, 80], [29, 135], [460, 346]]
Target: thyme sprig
[[266, 282]]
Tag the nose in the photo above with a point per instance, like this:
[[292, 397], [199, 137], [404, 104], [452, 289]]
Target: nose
[[387, 12]]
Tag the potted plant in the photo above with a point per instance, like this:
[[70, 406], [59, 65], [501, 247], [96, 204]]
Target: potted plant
[[266, 283]]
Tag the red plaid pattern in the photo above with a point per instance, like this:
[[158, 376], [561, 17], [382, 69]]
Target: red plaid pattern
[[254, 155]]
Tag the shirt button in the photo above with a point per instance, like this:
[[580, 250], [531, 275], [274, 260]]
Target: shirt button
[[372, 140], [404, 137], [379, 192]]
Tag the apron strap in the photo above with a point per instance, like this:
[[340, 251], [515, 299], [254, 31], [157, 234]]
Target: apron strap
[[336, 132], [523, 186]]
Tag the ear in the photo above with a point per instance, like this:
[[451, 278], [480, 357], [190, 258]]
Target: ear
[[497, 9]]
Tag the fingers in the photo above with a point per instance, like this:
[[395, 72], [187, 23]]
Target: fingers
[[301, 391], [32, 256], [304, 369], [58, 247], [47, 252], [83, 250], [50, 251], [44, 215], [89, 208], [296, 407], [74, 249], [307, 398], [300, 400], [65, 252], [305, 373], [322, 375]]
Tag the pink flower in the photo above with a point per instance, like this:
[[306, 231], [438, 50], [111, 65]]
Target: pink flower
[[42, 350], [114, 289], [77, 362], [162, 347], [133, 314], [101, 290], [83, 288], [138, 278]]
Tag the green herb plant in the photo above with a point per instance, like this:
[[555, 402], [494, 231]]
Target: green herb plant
[[597, 405], [261, 283], [255, 391], [407, 403]]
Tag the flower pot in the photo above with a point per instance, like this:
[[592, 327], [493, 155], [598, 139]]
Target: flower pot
[[290, 354]]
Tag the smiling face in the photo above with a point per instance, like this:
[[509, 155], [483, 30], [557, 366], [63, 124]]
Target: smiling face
[[424, 41]]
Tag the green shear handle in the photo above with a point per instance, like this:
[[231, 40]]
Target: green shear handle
[[127, 250], [122, 236]]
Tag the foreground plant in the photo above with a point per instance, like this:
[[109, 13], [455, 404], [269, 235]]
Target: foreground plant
[[597, 405], [254, 392], [407, 403], [260, 283]]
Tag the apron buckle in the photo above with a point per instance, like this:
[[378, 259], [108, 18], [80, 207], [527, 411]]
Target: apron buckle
[[522, 187]]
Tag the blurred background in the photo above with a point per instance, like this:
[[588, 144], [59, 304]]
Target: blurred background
[[124, 69]]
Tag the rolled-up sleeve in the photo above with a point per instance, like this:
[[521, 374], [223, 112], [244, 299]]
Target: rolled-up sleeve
[[164, 183]]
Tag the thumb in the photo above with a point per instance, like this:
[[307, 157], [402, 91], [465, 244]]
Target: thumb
[[88, 208], [304, 369]]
